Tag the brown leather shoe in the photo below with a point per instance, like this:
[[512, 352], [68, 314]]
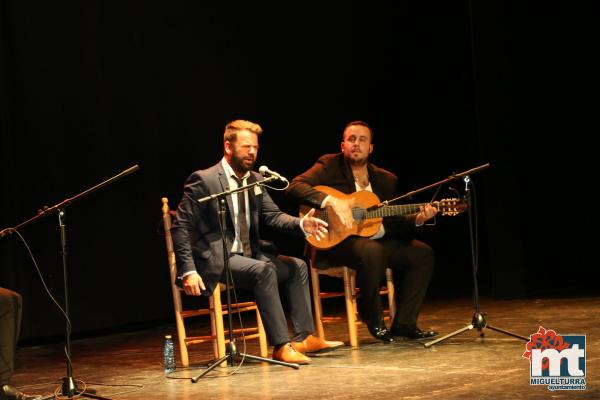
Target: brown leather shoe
[[314, 344], [9, 392], [287, 353]]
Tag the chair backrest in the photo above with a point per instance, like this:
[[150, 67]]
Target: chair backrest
[[167, 221]]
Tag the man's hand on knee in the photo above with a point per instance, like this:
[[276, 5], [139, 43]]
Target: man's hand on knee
[[193, 285]]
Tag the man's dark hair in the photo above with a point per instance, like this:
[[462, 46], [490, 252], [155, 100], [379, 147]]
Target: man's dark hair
[[361, 123]]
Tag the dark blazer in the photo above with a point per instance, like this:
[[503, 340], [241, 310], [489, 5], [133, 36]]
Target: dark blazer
[[332, 170], [196, 233]]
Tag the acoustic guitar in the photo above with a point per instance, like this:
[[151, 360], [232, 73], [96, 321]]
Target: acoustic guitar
[[368, 213]]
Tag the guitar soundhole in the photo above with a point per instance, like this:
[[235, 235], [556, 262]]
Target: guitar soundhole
[[359, 214]]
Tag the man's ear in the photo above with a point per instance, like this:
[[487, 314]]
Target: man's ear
[[370, 148], [228, 147]]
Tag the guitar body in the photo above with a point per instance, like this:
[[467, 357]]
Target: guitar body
[[336, 230]]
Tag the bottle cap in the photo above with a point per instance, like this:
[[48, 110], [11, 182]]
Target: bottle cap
[[167, 336]]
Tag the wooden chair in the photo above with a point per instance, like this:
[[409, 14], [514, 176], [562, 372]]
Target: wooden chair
[[219, 336], [348, 275]]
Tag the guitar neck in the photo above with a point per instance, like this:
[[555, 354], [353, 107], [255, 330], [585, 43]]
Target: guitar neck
[[361, 214], [400, 209]]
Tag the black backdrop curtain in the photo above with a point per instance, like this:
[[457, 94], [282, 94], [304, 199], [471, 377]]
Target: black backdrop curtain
[[88, 89]]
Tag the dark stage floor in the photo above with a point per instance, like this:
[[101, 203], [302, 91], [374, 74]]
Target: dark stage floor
[[463, 367]]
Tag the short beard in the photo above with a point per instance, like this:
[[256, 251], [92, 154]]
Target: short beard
[[238, 165]]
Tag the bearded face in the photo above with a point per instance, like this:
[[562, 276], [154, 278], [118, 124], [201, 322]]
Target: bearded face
[[241, 153]]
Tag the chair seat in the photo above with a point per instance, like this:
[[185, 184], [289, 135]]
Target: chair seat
[[334, 272]]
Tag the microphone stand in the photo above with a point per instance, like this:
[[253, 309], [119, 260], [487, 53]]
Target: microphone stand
[[436, 184], [232, 351], [69, 387], [478, 320]]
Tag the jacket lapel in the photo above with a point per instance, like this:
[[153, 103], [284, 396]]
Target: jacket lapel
[[348, 176]]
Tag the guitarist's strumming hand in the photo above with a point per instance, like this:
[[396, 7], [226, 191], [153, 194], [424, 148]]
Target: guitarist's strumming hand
[[313, 226], [342, 209], [427, 212]]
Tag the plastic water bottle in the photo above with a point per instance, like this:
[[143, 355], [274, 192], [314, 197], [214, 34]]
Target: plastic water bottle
[[169, 354]]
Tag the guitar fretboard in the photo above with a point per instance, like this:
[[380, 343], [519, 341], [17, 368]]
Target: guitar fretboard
[[361, 213], [389, 211]]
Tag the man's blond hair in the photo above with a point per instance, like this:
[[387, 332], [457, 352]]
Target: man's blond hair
[[232, 128]]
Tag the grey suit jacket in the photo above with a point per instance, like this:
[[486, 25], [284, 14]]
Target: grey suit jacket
[[196, 233]]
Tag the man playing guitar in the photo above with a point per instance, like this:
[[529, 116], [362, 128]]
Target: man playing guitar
[[393, 244]]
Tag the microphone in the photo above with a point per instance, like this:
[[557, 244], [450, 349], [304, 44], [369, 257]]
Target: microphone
[[264, 171]]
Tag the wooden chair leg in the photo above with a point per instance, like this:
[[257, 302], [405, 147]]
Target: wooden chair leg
[[217, 312], [262, 336], [213, 327], [181, 335], [389, 280], [316, 291], [349, 296], [354, 292]]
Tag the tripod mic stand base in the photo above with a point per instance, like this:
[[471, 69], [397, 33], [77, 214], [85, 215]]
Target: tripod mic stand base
[[478, 321], [508, 333], [466, 328], [233, 353], [70, 390]]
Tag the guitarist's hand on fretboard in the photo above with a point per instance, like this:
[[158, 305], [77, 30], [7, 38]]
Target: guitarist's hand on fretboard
[[342, 209], [427, 212]]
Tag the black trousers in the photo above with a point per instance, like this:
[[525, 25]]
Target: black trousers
[[412, 262], [10, 324], [263, 277]]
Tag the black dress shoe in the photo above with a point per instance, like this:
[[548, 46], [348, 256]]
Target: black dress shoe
[[9, 392], [380, 332], [411, 333]]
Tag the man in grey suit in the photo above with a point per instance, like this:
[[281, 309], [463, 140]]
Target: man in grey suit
[[199, 250]]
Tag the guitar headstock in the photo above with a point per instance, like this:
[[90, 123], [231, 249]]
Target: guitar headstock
[[451, 207]]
